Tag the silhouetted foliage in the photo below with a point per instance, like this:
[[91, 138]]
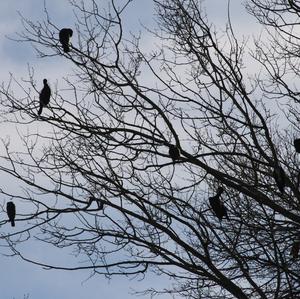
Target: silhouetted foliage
[[100, 182]]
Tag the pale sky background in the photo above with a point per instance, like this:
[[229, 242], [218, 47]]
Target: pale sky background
[[18, 278]]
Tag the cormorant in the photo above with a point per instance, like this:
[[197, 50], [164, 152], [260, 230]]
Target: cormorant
[[64, 37], [295, 249], [279, 177], [11, 212], [174, 152], [297, 145], [44, 96], [217, 205]]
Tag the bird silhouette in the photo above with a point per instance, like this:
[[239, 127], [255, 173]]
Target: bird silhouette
[[174, 152], [100, 203], [297, 145], [11, 212], [44, 96], [217, 205], [295, 249], [64, 38], [279, 177]]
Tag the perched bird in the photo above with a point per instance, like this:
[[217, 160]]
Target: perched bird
[[295, 249], [11, 212], [217, 205], [100, 203], [44, 96], [297, 145], [64, 38], [279, 177], [174, 152]]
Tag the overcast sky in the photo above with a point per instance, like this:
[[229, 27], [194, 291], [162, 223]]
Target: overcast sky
[[19, 278]]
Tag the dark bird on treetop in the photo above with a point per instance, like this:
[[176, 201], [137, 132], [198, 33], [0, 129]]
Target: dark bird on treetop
[[174, 152], [217, 205], [295, 249], [279, 177], [297, 145], [64, 38], [11, 212], [44, 96]]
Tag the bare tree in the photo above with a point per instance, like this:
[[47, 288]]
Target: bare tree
[[142, 139]]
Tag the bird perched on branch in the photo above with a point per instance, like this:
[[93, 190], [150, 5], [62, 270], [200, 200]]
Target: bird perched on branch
[[64, 38], [174, 152], [100, 202], [279, 177], [11, 212], [295, 249], [297, 145], [44, 96], [217, 205]]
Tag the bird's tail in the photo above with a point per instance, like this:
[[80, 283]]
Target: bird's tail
[[66, 48], [40, 110], [12, 222], [100, 204]]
